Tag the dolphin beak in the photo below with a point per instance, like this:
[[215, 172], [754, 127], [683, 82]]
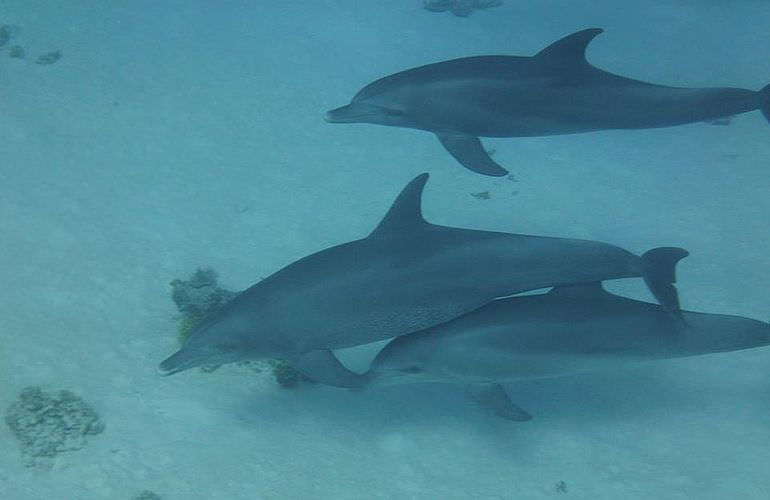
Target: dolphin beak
[[178, 362], [355, 112], [340, 115]]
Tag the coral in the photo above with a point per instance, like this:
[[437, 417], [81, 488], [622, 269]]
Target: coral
[[196, 298], [462, 8], [185, 326], [48, 424], [200, 296]]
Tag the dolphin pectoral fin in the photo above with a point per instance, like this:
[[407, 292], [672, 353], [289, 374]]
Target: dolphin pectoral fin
[[659, 272], [493, 397], [471, 154], [323, 367]]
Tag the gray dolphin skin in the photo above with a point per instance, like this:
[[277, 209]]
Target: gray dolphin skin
[[407, 275], [569, 330], [555, 92]]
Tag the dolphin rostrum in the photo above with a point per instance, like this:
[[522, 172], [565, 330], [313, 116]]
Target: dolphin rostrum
[[573, 329], [407, 275], [555, 92]]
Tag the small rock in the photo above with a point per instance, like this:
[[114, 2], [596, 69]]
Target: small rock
[[5, 34], [461, 8], [49, 57], [16, 51], [147, 495]]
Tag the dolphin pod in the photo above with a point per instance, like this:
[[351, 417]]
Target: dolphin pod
[[406, 276], [569, 330], [555, 92], [446, 295]]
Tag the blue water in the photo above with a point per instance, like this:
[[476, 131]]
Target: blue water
[[191, 133]]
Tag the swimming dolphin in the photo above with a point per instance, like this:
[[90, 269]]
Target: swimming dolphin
[[572, 329], [405, 276], [555, 92]]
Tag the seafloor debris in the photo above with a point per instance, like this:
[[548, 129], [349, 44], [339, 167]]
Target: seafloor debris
[[147, 495], [483, 195], [48, 424], [5, 34], [462, 8], [201, 296], [286, 376], [48, 57], [9, 32], [16, 51]]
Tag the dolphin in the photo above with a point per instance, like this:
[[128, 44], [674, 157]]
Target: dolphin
[[407, 275], [569, 330], [555, 92]]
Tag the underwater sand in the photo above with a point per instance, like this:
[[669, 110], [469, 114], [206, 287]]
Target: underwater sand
[[191, 134]]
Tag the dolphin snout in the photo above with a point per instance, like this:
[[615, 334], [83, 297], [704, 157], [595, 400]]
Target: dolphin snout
[[178, 362], [361, 112], [344, 114], [329, 116]]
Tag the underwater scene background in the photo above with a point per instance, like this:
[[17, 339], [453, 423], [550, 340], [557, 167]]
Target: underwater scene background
[[141, 141]]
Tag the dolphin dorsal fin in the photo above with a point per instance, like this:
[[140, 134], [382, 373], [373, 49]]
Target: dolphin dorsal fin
[[593, 289], [570, 50], [406, 212]]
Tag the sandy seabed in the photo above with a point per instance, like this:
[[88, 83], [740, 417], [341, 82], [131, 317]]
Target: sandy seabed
[[190, 134]]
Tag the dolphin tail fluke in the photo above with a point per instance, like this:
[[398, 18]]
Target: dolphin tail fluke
[[659, 272], [764, 102], [471, 154], [492, 397]]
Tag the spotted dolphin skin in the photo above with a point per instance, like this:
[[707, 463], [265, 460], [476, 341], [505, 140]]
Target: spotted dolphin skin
[[555, 92], [569, 330], [407, 275]]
